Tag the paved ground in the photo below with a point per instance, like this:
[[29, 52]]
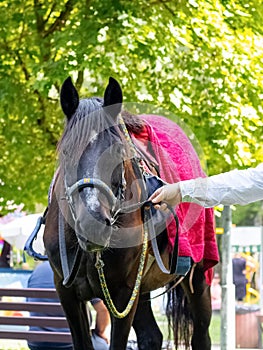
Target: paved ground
[[214, 347], [22, 345]]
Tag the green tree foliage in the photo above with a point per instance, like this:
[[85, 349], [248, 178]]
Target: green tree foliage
[[202, 60], [248, 215]]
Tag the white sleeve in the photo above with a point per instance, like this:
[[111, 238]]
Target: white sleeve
[[234, 187]]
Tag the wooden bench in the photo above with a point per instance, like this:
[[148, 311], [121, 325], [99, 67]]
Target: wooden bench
[[13, 302]]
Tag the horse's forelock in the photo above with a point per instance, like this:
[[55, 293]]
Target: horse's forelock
[[87, 120], [88, 106]]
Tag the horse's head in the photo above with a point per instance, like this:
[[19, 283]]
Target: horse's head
[[95, 161]]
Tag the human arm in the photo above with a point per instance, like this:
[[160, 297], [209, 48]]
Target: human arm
[[102, 320], [234, 187]]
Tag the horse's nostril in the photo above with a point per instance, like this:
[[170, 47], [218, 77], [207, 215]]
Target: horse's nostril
[[77, 226], [107, 222]]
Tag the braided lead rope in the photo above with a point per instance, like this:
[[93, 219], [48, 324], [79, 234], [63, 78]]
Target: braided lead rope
[[99, 266]]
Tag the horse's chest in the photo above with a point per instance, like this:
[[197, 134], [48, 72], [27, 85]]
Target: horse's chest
[[86, 280]]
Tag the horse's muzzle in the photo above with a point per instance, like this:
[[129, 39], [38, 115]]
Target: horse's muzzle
[[93, 241], [89, 246]]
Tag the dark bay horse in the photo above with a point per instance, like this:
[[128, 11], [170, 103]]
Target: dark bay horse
[[95, 248]]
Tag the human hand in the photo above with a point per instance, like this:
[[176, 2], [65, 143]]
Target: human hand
[[99, 341], [105, 335], [169, 194]]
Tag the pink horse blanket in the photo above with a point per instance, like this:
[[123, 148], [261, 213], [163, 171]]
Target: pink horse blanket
[[177, 161]]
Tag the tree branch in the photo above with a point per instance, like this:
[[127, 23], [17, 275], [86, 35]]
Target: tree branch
[[15, 54], [165, 4], [80, 79], [23, 66], [42, 122], [60, 21], [40, 20], [50, 12]]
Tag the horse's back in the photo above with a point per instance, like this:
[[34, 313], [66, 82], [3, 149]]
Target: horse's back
[[175, 148]]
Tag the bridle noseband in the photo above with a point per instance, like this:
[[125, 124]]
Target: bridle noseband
[[115, 203], [89, 183]]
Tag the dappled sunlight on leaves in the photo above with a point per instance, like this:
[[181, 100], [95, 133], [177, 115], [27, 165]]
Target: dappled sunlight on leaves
[[200, 60]]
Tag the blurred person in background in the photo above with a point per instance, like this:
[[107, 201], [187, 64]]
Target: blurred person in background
[[42, 277]]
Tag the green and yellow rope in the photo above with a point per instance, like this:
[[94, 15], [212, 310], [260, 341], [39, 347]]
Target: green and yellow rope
[[111, 307], [99, 263]]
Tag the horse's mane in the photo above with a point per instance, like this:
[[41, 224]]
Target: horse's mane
[[90, 120], [133, 122]]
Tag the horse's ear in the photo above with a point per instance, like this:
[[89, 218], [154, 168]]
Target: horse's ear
[[113, 98], [69, 98]]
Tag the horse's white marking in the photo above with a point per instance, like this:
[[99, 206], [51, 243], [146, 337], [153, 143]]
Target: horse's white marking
[[93, 137], [91, 197]]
